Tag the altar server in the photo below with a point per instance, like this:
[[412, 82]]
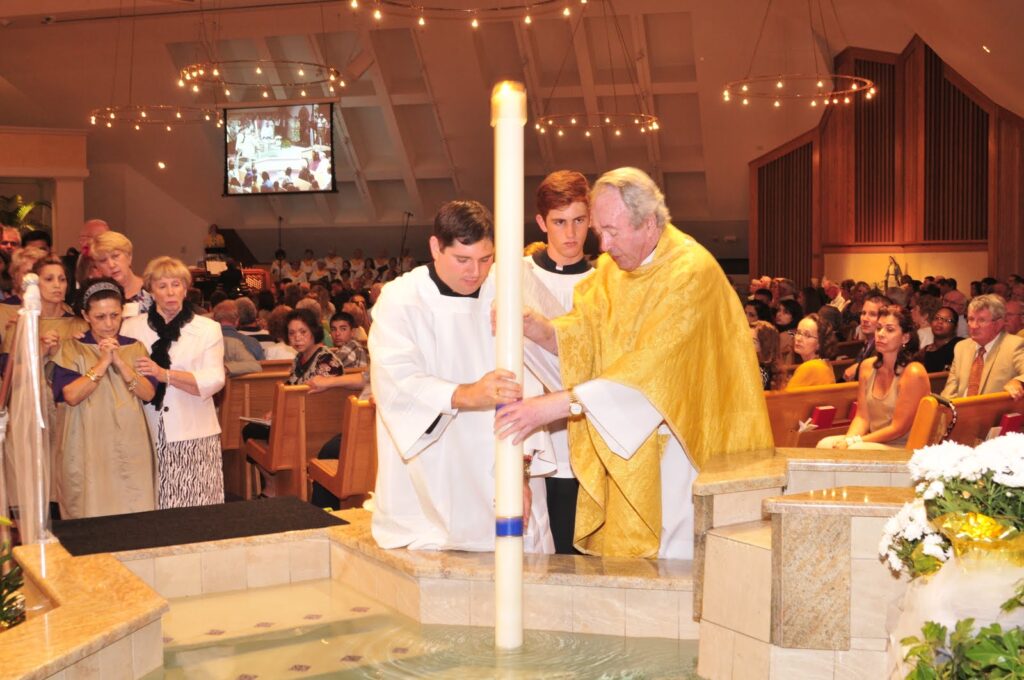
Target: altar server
[[432, 370]]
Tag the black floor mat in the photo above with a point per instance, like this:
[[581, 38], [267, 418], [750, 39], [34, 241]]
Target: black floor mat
[[159, 528]]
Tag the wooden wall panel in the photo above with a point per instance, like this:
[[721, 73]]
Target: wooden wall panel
[[956, 151], [785, 214], [874, 145]]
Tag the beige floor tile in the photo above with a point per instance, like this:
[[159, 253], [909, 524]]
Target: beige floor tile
[[872, 589], [737, 586], [223, 570], [740, 506], [144, 569], [869, 644], [481, 604], [688, 628], [802, 664], [599, 610], [863, 479], [715, 652], [809, 480], [267, 565], [178, 575], [751, 659], [444, 601], [407, 595], [652, 613], [859, 665], [84, 669], [116, 660], [865, 533], [309, 560], [548, 607], [147, 649]]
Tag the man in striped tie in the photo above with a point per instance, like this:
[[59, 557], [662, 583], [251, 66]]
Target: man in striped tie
[[990, 360]]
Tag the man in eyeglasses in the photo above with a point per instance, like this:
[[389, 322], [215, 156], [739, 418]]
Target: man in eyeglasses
[[11, 240]]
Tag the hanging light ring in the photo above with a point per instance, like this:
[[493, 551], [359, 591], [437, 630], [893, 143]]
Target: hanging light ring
[[597, 120], [152, 114], [259, 73], [798, 86]]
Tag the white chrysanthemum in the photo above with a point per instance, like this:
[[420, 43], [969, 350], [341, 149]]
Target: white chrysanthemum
[[937, 461], [932, 545], [1014, 479], [934, 490], [884, 544], [895, 563]]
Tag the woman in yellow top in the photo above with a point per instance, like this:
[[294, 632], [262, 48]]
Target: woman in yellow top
[[816, 343]]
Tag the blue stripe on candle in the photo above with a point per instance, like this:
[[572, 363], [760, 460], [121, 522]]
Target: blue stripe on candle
[[508, 526]]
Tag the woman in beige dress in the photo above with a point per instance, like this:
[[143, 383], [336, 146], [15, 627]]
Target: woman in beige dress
[[106, 464]]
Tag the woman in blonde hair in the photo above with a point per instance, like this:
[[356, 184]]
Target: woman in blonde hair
[[186, 358], [112, 254]]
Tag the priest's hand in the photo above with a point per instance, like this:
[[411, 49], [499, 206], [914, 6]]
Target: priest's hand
[[493, 389], [525, 417]]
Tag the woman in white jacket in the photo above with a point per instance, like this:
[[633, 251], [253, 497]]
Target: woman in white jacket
[[187, 361]]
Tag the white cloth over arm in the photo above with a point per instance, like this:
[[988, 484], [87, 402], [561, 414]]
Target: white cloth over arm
[[625, 419]]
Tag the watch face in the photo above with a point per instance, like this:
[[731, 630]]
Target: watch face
[[575, 408]]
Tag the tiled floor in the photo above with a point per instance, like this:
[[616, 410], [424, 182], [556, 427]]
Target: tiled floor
[[324, 629]]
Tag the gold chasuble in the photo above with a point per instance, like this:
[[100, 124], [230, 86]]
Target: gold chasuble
[[674, 330]]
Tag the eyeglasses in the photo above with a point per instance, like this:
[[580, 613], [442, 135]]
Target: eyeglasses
[[10, 243], [944, 319], [807, 335]]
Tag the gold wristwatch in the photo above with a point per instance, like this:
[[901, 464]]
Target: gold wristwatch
[[575, 405]]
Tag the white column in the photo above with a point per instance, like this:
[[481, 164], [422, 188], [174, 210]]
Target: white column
[[508, 116]]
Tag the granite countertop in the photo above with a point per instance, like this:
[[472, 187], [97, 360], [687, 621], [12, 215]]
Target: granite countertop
[[861, 501], [95, 601], [768, 468], [610, 572]]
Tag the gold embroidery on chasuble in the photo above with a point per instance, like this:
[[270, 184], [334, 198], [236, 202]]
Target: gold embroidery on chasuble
[[674, 330]]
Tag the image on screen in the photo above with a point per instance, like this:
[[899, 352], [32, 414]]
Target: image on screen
[[279, 149]]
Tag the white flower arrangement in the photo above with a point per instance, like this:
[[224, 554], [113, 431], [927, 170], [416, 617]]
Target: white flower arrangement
[[954, 479]]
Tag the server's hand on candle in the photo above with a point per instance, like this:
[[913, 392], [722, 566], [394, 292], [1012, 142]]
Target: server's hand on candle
[[538, 328], [495, 388], [525, 417]]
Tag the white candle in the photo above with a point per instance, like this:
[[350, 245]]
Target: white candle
[[508, 116]]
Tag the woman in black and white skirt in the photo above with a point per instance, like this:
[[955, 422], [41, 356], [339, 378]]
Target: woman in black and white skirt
[[187, 361]]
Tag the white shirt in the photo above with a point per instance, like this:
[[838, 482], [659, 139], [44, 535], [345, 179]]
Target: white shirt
[[435, 482]]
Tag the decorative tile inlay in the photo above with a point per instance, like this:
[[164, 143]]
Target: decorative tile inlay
[[360, 610], [246, 676], [168, 640], [352, 658], [264, 624], [313, 617], [300, 668], [215, 631], [400, 650]]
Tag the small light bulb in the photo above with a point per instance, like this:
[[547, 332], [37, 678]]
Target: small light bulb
[[618, 133], [301, 72], [636, 121], [745, 101], [302, 93], [266, 95], [871, 91], [587, 133], [188, 76], [354, 4], [607, 120], [138, 127], [207, 116], [777, 103], [227, 93], [566, 12], [745, 88], [168, 128], [561, 133], [342, 83], [377, 15], [474, 23], [332, 89], [835, 100], [143, 114], [109, 124], [195, 87], [536, 126], [177, 114], [572, 121], [202, 72], [655, 126], [846, 100], [422, 21], [112, 115], [332, 77], [725, 93], [181, 82], [92, 119], [543, 130], [868, 96], [854, 87], [814, 103], [821, 83], [161, 165], [779, 84], [527, 20], [216, 72], [259, 70]]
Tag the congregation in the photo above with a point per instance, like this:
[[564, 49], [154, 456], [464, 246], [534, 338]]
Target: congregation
[[135, 368]]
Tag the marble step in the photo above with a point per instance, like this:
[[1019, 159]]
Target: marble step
[[738, 578]]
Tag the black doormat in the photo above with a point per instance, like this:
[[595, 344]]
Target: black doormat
[[176, 526]]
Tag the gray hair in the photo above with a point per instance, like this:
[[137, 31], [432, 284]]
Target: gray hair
[[992, 303], [246, 311], [307, 303], [638, 191]]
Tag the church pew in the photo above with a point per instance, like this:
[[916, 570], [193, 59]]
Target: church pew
[[786, 408], [849, 348], [975, 417], [302, 423], [353, 475], [277, 364], [244, 395]]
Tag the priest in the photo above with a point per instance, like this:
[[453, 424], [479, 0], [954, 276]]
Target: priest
[[432, 360], [660, 376]]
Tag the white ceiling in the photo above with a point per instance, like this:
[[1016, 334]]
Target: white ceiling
[[412, 128]]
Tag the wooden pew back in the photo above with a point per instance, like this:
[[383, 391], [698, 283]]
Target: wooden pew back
[[975, 417], [302, 424], [277, 364], [250, 395], [355, 472]]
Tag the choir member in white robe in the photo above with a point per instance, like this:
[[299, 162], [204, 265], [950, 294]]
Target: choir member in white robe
[[432, 370], [563, 214]]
